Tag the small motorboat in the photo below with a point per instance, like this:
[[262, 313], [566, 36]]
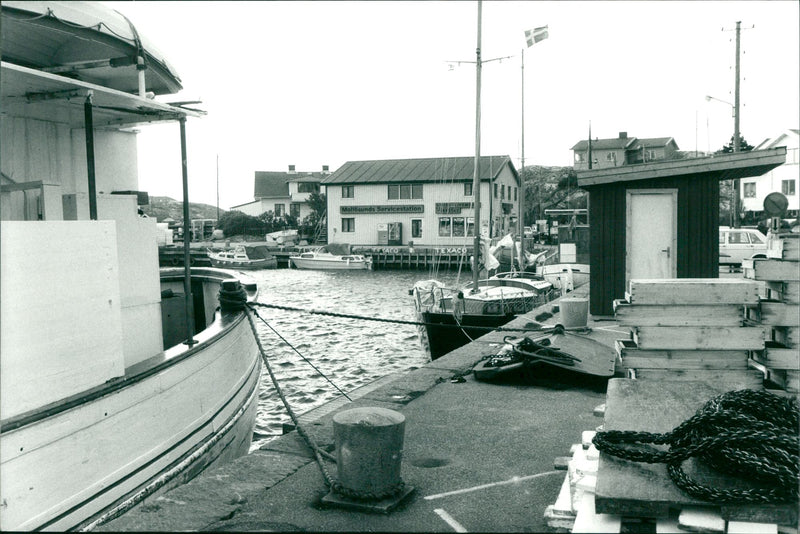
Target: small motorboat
[[243, 257], [333, 256]]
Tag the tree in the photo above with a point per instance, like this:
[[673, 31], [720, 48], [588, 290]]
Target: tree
[[319, 205], [743, 146]]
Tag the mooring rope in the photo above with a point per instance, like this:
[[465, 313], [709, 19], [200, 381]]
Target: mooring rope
[[382, 319], [748, 433], [236, 299]]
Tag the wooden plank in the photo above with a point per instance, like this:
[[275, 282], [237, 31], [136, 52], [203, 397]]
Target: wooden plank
[[778, 357], [699, 337], [587, 520], [630, 488], [628, 348], [770, 269], [747, 527], [633, 362], [679, 315], [778, 313], [724, 378], [685, 291]]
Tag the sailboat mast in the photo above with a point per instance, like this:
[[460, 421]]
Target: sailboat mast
[[476, 181]]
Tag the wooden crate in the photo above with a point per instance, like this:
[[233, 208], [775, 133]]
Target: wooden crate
[[699, 338], [693, 291], [783, 247], [771, 270], [678, 315], [632, 357]]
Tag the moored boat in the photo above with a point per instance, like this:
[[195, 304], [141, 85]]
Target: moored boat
[[243, 257], [454, 317], [117, 380], [333, 256]]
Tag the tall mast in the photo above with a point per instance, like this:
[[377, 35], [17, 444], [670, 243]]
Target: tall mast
[[522, 167], [736, 142], [476, 181]]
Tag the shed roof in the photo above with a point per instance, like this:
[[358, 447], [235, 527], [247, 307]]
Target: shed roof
[[725, 166], [655, 141], [457, 169]]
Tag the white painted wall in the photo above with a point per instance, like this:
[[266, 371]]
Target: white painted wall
[[61, 311], [139, 282], [771, 181]]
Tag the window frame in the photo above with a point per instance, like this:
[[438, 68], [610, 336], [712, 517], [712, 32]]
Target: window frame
[[348, 225]]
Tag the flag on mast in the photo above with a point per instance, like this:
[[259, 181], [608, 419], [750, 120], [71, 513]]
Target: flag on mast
[[535, 35]]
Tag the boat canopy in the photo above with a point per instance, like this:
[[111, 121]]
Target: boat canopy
[[259, 252], [337, 249]]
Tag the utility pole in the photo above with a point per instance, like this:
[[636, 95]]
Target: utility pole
[[736, 144]]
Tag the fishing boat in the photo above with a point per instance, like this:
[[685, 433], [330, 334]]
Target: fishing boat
[[118, 380], [454, 317], [333, 256], [243, 257], [451, 318]]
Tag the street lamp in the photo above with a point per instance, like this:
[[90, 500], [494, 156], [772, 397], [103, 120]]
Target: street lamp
[[736, 148]]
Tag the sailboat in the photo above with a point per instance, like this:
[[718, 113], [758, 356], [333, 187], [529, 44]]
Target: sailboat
[[452, 318]]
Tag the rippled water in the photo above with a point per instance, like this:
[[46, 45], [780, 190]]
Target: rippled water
[[350, 352]]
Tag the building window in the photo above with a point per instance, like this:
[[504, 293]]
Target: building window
[[495, 190], [279, 210], [470, 227], [459, 228], [348, 224], [307, 187], [578, 157], [650, 155], [294, 210], [445, 227], [750, 190], [404, 191], [515, 194], [348, 191], [416, 228], [787, 187], [503, 191], [468, 189], [610, 156]]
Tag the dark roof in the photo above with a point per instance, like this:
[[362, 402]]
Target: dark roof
[[271, 184], [605, 144], [729, 166], [459, 169]]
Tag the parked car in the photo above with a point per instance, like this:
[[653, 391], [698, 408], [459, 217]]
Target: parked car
[[737, 244]]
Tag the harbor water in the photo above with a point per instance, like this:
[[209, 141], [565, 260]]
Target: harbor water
[[350, 352]]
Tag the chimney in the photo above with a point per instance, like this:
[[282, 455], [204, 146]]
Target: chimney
[[325, 169], [623, 135], [291, 170]]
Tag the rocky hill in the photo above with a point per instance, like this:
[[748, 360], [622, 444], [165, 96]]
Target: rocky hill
[[165, 207]]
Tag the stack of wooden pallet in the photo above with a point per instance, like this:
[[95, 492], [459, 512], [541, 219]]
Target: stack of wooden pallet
[[690, 329], [779, 309], [629, 496]]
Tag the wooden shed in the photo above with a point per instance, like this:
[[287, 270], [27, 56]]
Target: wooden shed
[[660, 219]]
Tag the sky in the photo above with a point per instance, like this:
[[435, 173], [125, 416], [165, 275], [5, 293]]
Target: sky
[[322, 83]]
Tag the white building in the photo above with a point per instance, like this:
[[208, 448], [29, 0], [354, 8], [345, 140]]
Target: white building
[[783, 179], [283, 193], [425, 201]]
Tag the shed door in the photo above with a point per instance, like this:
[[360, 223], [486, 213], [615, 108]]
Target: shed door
[[651, 230]]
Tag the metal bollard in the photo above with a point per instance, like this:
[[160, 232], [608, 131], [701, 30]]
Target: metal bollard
[[369, 450]]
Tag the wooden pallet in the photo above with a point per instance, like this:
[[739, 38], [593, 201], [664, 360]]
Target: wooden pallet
[[778, 310]]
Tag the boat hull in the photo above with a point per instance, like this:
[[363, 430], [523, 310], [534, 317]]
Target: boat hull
[[253, 265], [444, 334], [329, 265], [561, 275], [92, 456]]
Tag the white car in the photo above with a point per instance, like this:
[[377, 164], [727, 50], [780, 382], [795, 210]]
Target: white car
[[737, 244]]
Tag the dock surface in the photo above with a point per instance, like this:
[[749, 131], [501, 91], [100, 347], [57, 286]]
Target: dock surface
[[479, 455]]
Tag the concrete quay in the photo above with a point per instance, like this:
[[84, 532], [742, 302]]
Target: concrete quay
[[480, 456]]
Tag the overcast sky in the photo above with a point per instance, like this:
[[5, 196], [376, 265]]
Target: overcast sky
[[321, 83]]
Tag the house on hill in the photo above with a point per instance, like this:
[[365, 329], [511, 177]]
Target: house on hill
[[426, 201], [283, 193], [623, 150]]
